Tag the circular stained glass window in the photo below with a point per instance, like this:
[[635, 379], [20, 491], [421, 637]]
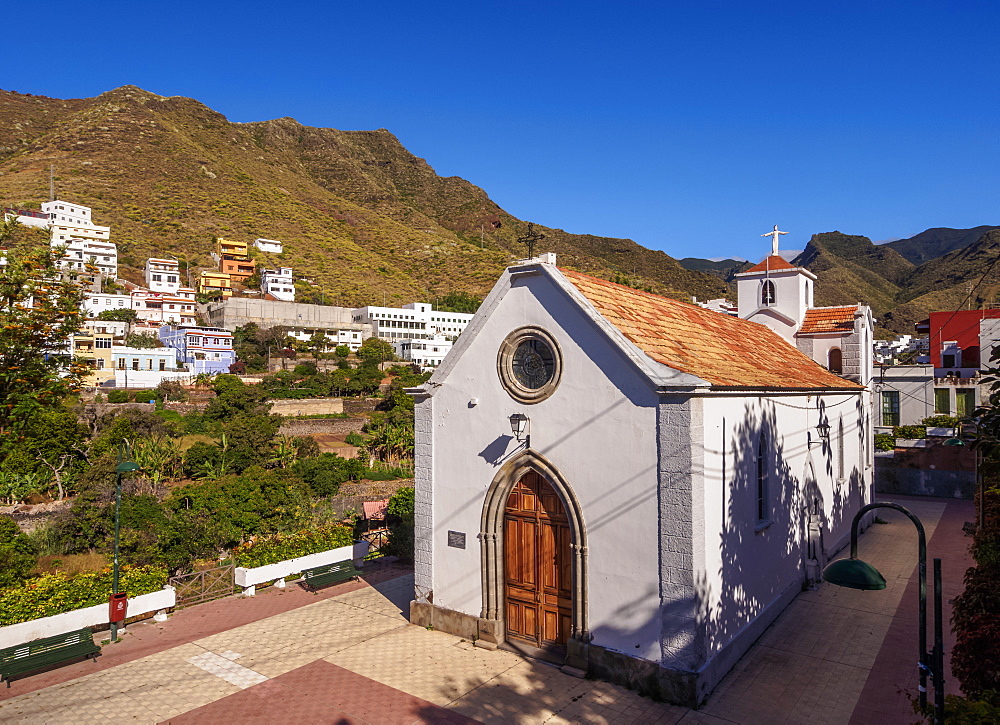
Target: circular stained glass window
[[533, 363], [529, 364]]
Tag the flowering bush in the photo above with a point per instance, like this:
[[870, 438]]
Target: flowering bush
[[56, 593], [282, 547]]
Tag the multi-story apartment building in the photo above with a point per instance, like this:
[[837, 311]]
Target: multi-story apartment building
[[215, 284], [234, 260], [200, 349], [278, 283], [95, 349], [163, 275], [301, 321], [162, 308], [95, 304], [417, 320], [428, 354]]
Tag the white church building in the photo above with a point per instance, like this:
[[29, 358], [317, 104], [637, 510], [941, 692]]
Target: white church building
[[628, 485]]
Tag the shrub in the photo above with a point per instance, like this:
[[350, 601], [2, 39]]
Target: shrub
[[910, 431], [56, 593], [118, 396], [343, 350], [354, 439], [884, 442], [400, 520], [281, 547], [17, 553], [940, 421]]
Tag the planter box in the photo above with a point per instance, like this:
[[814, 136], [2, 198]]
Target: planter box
[[14, 634], [249, 578], [941, 432], [911, 443]]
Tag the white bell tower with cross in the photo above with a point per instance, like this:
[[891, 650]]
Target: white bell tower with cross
[[774, 293]]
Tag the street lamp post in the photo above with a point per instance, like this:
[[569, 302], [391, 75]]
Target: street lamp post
[[975, 445], [122, 468], [857, 574]]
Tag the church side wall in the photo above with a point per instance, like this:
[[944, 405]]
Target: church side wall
[[753, 568], [598, 429]]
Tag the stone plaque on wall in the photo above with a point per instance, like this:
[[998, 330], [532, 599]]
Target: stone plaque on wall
[[456, 539]]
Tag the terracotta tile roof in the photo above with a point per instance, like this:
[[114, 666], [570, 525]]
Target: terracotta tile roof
[[725, 351], [828, 319], [771, 264]]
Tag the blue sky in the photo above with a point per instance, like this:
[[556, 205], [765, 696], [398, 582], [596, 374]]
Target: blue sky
[[690, 127]]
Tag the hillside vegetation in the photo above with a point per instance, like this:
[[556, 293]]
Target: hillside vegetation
[[359, 214]]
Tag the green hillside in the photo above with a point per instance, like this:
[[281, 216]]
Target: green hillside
[[359, 214]]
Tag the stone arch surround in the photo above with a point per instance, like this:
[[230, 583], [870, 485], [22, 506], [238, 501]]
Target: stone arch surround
[[491, 548]]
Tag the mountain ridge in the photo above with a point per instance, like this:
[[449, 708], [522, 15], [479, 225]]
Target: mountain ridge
[[358, 212]]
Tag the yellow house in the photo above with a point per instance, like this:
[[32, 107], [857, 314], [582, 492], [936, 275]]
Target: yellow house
[[235, 250], [95, 350], [215, 284]]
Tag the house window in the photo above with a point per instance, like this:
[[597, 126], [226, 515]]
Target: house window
[[767, 295], [121, 363], [835, 360], [135, 364], [942, 401], [103, 342], [965, 402], [762, 452], [163, 364], [890, 407]]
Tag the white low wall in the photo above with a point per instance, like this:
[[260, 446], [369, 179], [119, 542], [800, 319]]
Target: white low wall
[[248, 579], [14, 634]]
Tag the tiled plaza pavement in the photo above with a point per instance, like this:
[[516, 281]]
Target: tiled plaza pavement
[[349, 656]]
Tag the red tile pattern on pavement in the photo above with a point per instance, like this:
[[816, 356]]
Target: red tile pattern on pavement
[[894, 674], [321, 692], [142, 639]]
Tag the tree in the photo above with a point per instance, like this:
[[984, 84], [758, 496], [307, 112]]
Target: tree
[[122, 314], [39, 311], [143, 340], [234, 397], [343, 350], [374, 350], [458, 302]]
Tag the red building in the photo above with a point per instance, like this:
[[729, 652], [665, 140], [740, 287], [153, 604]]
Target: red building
[[954, 337]]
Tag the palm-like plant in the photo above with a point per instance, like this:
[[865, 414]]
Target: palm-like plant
[[284, 454]]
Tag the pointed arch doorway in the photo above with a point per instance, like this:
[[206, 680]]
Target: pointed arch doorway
[[532, 517], [538, 594]]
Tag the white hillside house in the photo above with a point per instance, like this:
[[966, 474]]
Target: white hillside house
[[278, 283], [163, 275], [627, 485], [272, 246]]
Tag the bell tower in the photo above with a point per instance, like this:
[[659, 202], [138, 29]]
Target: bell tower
[[774, 293]]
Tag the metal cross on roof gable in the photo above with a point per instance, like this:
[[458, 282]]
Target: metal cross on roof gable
[[531, 237], [774, 238]]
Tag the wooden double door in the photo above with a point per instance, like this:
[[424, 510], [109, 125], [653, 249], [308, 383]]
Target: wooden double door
[[538, 583]]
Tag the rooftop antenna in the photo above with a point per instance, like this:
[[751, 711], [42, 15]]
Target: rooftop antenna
[[52, 182]]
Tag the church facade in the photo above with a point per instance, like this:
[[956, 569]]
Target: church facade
[[630, 486]]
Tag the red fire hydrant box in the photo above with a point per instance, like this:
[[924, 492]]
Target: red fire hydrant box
[[117, 607]]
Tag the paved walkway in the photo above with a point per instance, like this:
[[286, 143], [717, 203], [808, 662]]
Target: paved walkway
[[349, 656]]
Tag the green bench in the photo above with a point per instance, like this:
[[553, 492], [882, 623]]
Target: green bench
[[23, 659], [322, 576]]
